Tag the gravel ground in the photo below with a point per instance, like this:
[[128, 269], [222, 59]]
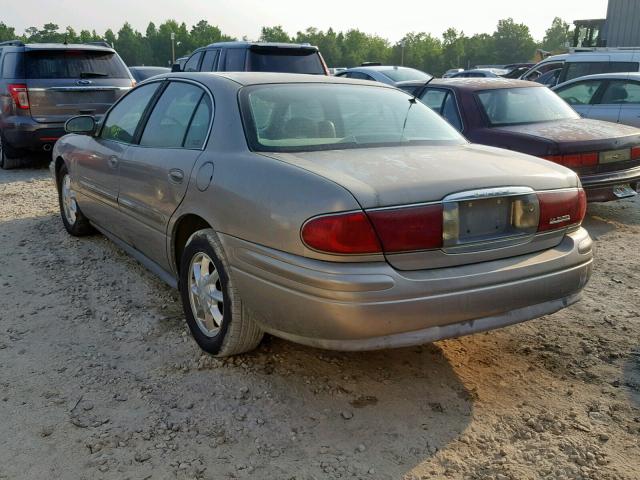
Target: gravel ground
[[100, 379]]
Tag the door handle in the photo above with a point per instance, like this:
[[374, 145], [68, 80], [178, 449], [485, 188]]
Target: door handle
[[176, 175], [113, 162]]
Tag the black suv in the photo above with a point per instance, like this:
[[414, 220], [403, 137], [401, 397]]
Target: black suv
[[256, 57], [42, 85]]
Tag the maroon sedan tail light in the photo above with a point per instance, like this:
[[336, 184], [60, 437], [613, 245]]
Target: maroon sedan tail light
[[575, 160], [560, 209]]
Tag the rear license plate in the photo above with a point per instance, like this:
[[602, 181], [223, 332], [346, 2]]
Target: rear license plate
[[624, 191], [615, 156]]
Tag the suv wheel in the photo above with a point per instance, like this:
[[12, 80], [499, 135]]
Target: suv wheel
[[72, 217], [8, 157], [218, 321]]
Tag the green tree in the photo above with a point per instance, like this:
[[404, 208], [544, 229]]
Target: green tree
[[274, 34], [479, 50], [556, 36], [513, 42], [7, 33], [421, 50], [453, 48]]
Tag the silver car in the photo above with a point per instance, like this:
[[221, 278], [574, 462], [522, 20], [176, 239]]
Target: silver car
[[335, 213], [389, 74], [614, 97]]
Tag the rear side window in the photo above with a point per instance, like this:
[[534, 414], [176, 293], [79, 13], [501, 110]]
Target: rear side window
[[580, 69], [621, 92], [170, 119], [197, 134], [287, 60], [74, 64], [579, 93], [234, 60], [450, 112], [434, 99], [13, 65], [122, 122], [192, 63]]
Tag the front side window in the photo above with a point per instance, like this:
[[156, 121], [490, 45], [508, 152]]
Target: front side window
[[580, 93], [296, 117], [122, 121], [192, 63], [209, 61], [512, 106], [171, 117], [621, 92]]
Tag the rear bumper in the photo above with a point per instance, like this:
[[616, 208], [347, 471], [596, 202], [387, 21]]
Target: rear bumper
[[362, 306], [599, 187], [25, 133]]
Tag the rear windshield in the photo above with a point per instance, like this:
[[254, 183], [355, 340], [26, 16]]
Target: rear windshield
[[308, 117], [405, 74], [512, 106], [74, 64], [289, 60]]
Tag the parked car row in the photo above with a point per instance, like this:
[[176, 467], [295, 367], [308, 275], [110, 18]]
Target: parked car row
[[332, 210]]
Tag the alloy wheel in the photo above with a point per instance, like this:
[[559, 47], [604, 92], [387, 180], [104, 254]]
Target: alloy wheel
[[205, 294], [69, 204]]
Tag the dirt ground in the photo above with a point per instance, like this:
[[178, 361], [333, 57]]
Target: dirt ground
[[99, 378]]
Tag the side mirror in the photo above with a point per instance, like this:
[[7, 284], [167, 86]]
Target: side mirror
[[82, 124], [176, 67]]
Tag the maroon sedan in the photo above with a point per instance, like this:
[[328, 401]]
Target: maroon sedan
[[528, 117]]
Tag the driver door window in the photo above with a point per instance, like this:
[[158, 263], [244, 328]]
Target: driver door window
[[123, 119], [192, 63]]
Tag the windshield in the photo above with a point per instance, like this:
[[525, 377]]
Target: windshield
[[74, 64], [511, 106], [307, 117], [286, 60], [405, 74]]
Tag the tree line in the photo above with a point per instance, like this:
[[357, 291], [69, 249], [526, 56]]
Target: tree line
[[511, 42]]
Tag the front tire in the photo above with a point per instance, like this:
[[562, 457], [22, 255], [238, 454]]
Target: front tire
[[73, 219], [216, 316]]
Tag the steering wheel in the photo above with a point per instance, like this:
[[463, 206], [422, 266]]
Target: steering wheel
[[573, 101]]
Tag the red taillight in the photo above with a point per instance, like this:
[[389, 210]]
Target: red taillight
[[408, 229], [635, 153], [18, 92], [561, 209], [574, 160], [343, 233]]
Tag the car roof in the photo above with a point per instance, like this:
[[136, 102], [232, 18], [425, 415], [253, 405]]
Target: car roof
[[245, 44], [472, 84], [378, 68], [148, 67], [604, 76]]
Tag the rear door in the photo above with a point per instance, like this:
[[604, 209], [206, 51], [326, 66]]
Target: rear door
[[155, 174], [97, 167], [67, 82], [625, 94]]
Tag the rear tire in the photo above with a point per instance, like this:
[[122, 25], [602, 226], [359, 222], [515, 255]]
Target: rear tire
[[216, 316], [9, 157], [75, 223]]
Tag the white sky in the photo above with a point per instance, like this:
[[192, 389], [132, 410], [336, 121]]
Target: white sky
[[245, 17]]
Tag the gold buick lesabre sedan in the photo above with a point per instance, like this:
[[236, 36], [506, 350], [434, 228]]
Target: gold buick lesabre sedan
[[331, 212]]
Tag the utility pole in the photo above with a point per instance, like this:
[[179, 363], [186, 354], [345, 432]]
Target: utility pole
[[173, 48], [402, 42]]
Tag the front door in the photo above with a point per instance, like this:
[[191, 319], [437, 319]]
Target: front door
[[97, 168], [155, 173]]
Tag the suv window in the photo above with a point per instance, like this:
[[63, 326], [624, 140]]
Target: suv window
[[171, 116], [579, 93], [123, 119], [542, 69], [621, 92], [209, 61], [12, 65], [287, 60], [74, 64], [192, 63], [580, 69], [234, 60]]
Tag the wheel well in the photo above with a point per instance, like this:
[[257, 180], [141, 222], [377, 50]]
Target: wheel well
[[187, 226]]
